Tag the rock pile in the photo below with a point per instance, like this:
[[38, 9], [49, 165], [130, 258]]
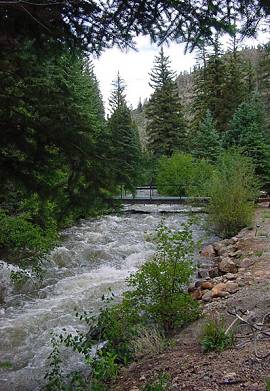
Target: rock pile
[[225, 276]]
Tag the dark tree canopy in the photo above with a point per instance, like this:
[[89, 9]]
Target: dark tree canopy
[[96, 25]]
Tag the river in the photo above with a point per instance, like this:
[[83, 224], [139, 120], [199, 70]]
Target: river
[[95, 255]]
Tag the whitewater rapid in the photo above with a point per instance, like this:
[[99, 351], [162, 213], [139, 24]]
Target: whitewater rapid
[[94, 256]]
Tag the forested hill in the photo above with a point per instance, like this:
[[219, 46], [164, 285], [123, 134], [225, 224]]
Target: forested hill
[[250, 57]]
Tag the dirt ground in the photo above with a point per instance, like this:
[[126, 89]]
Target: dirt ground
[[234, 369]]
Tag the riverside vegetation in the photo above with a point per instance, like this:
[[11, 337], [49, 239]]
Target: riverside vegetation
[[156, 300], [61, 159]]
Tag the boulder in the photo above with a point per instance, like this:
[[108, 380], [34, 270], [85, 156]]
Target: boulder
[[217, 280], [227, 266], [231, 287], [246, 262], [230, 276], [191, 287], [197, 294], [207, 296], [208, 251], [207, 285], [202, 273], [213, 272], [218, 289]]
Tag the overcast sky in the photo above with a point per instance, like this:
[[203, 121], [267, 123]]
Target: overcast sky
[[134, 66]]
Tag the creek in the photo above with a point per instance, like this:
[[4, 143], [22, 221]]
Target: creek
[[94, 256]]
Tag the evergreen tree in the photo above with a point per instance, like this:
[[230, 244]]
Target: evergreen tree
[[247, 131], [238, 83], [200, 99], [54, 143], [96, 25], [264, 79], [221, 85], [124, 138], [165, 129], [207, 141], [209, 86]]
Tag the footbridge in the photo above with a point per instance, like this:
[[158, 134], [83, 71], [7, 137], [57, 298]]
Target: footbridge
[[149, 195]]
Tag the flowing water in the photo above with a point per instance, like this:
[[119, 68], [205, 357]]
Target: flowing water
[[94, 256]]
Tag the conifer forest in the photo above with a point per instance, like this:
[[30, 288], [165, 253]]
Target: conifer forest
[[67, 156]]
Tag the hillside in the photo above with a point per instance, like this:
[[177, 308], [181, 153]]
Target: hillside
[[185, 86]]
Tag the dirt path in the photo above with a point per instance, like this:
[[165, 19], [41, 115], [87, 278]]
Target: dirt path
[[234, 369]]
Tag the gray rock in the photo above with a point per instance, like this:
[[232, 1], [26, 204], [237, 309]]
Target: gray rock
[[203, 273], [213, 272], [227, 266], [246, 262], [208, 251], [230, 276], [231, 287], [207, 296]]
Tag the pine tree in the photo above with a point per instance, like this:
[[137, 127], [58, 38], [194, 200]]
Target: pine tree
[[247, 131], [239, 79], [165, 129], [209, 82], [264, 78], [124, 137], [55, 138], [207, 141], [222, 83]]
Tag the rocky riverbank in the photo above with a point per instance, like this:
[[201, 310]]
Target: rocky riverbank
[[238, 277], [229, 270]]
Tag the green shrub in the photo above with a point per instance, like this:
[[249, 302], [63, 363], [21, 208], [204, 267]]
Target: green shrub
[[214, 336], [157, 288], [267, 383], [182, 175], [19, 234], [156, 300], [232, 191]]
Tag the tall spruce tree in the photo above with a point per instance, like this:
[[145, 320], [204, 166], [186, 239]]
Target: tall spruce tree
[[247, 131], [207, 141], [209, 85], [54, 144], [124, 138], [221, 83], [264, 78], [166, 130]]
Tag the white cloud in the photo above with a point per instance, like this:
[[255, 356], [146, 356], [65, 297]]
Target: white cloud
[[134, 66]]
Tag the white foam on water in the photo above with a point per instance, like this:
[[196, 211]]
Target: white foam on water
[[95, 256]]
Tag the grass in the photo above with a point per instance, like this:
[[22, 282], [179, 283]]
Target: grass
[[149, 342], [214, 336]]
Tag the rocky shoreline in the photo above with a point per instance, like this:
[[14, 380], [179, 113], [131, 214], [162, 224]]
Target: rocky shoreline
[[228, 270]]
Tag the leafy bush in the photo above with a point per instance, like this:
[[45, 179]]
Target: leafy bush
[[214, 336], [233, 189], [19, 233], [267, 383], [182, 175], [157, 288], [156, 301]]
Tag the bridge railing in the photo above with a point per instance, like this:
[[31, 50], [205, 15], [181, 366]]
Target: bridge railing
[[150, 191]]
